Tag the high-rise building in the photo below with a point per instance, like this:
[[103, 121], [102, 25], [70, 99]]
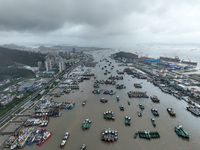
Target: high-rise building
[[47, 65], [51, 61], [40, 65], [62, 65], [74, 50]]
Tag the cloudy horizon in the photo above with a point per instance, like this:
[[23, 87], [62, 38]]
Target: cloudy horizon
[[99, 23]]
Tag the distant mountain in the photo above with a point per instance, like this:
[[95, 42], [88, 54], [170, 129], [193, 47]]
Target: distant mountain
[[58, 46], [14, 46], [13, 57], [43, 48]]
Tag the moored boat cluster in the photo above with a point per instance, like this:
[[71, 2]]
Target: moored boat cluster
[[109, 115], [137, 94], [148, 134], [109, 135], [179, 130], [28, 136], [86, 124]]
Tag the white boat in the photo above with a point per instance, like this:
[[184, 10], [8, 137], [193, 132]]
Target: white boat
[[14, 144], [64, 139], [83, 147]]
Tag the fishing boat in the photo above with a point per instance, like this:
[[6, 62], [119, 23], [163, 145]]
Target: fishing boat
[[194, 110], [97, 91], [155, 112], [84, 102], [171, 112], [179, 130], [177, 95], [139, 113], [121, 108], [135, 135], [14, 144], [155, 99], [127, 121], [10, 141], [64, 139], [96, 85], [120, 86], [45, 137], [128, 102], [103, 100], [141, 106], [86, 124], [153, 122], [31, 139], [137, 85], [44, 123], [83, 147], [117, 98]]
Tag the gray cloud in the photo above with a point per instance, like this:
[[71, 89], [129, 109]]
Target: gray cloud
[[83, 21]]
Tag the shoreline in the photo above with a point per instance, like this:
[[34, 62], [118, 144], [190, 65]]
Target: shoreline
[[71, 119]]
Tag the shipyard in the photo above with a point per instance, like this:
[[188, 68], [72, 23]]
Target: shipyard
[[138, 104]]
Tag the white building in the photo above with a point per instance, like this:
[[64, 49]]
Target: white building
[[49, 64], [62, 65]]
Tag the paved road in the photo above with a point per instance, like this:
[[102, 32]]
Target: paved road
[[9, 113]]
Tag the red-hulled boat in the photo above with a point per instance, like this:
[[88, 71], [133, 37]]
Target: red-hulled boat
[[45, 137]]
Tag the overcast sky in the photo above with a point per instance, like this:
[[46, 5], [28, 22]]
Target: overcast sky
[[99, 22]]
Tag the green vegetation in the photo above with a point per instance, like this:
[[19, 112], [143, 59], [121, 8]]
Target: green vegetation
[[125, 55], [13, 57], [9, 73], [10, 59], [6, 108]]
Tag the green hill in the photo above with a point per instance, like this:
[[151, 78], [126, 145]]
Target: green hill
[[126, 55], [9, 73], [13, 57], [10, 57]]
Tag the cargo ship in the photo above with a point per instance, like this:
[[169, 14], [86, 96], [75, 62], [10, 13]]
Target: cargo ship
[[176, 59], [189, 62]]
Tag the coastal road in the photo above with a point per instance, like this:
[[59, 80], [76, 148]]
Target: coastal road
[[13, 110]]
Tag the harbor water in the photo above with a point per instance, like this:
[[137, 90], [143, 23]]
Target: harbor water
[[71, 120]]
